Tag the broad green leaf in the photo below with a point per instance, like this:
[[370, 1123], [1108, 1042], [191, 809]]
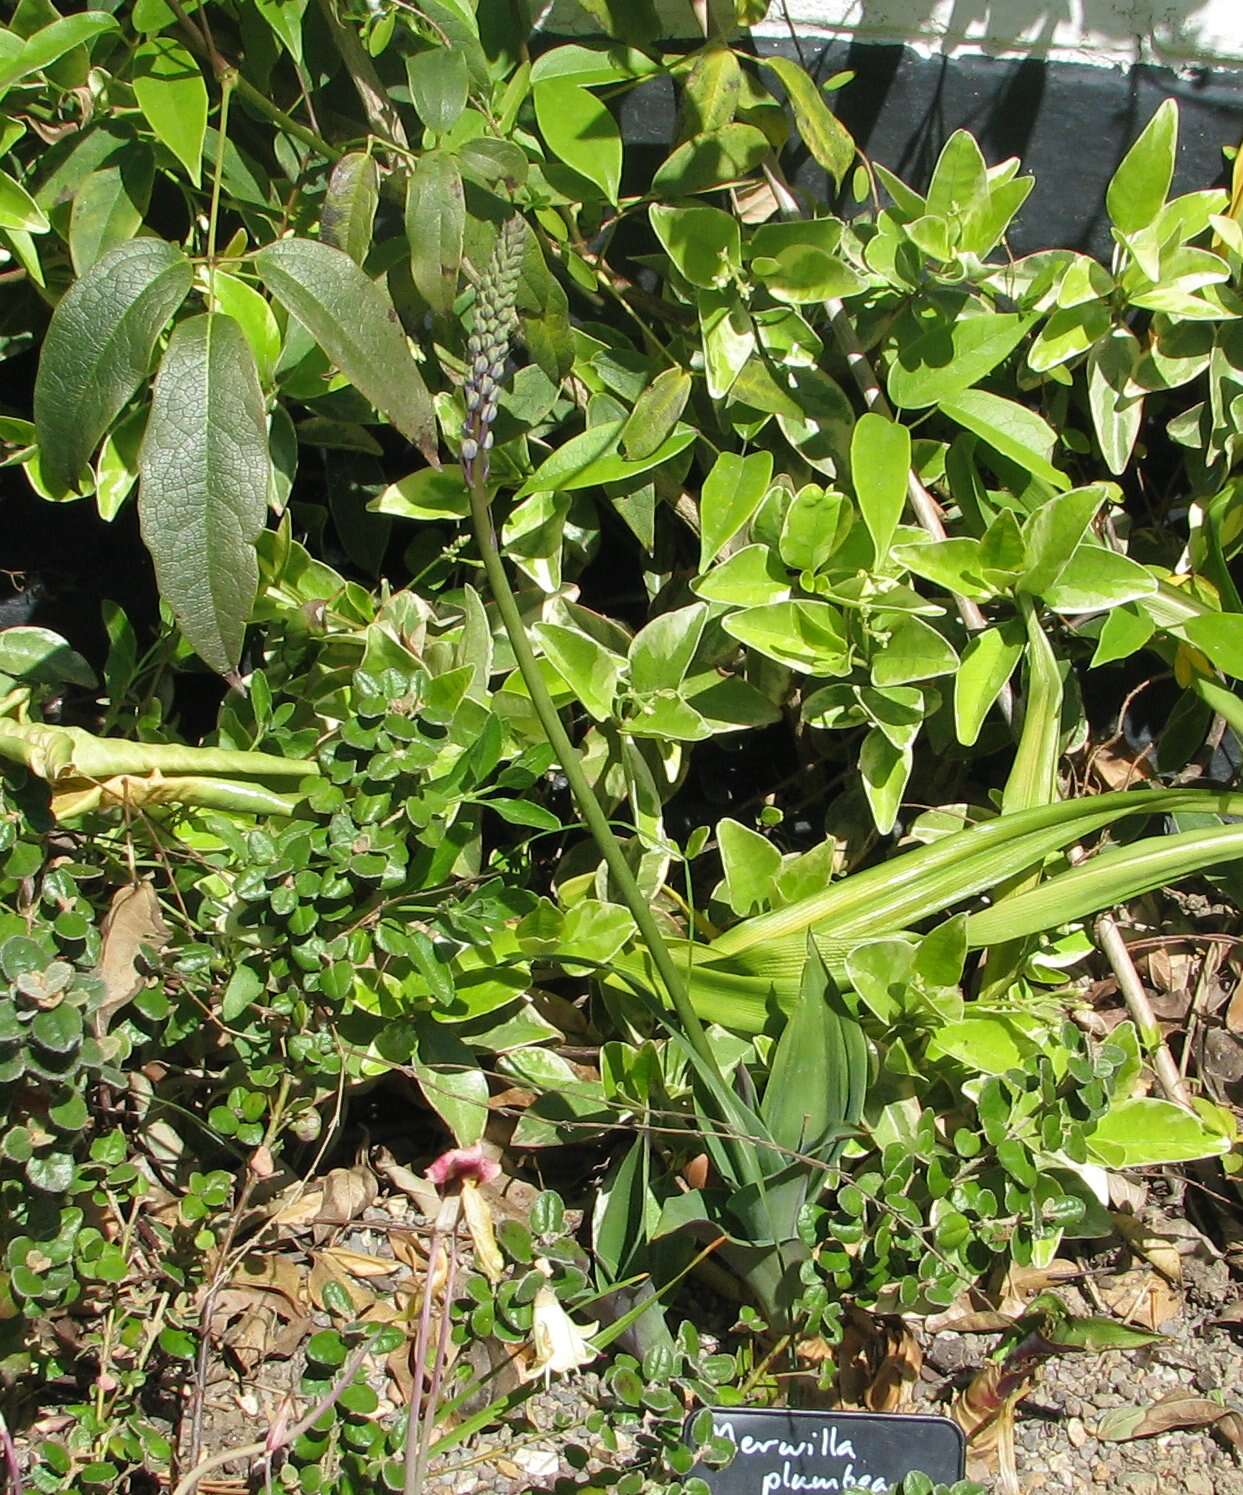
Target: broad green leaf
[[956, 565], [1012, 429], [1096, 578], [710, 97], [1220, 636], [1142, 1132], [244, 987], [254, 316], [450, 1079], [657, 410], [18, 210], [1141, 183], [41, 655], [913, 651], [438, 86], [730, 496], [662, 650], [579, 129], [1125, 631], [880, 465], [815, 524], [704, 243], [204, 473], [435, 226], [354, 322], [751, 576], [940, 357], [987, 663], [823, 133], [805, 636], [804, 275], [108, 208], [44, 46], [171, 93], [1052, 533], [348, 215], [1117, 407], [750, 862], [98, 348], [431, 493], [588, 65], [590, 670], [591, 458], [884, 770], [728, 343], [987, 1045], [285, 18], [959, 179], [983, 226], [711, 160], [1068, 333]]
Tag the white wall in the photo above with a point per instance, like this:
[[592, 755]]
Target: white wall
[[1178, 33]]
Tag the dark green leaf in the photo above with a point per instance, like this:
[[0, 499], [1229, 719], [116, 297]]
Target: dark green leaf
[[204, 473], [353, 320], [98, 349], [435, 223], [349, 205]]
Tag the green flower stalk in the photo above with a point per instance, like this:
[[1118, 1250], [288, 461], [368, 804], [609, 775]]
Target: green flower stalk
[[487, 347]]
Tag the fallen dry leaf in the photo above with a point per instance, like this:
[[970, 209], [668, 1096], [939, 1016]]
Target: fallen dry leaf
[[359, 1263], [272, 1274], [336, 1199], [1180, 1409], [1140, 1296], [878, 1362], [132, 921], [323, 1272]]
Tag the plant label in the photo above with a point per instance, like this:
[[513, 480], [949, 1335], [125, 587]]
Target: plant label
[[780, 1451]]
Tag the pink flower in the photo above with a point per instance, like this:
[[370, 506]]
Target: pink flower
[[461, 1163]]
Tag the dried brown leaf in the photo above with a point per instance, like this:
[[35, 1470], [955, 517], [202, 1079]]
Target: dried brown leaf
[[323, 1271], [1140, 1296], [1158, 1250], [132, 921], [1179, 1409], [272, 1274], [359, 1263]]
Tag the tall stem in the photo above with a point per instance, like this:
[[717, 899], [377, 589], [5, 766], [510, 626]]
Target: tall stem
[[580, 786]]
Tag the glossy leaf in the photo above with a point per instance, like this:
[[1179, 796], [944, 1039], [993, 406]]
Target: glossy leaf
[[109, 207], [657, 410], [204, 473], [580, 130], [590, 670], [1143, 1132], [44, 46], [18, 210], [750, 862], [880, 464], [731, 494], [884, 770], [704, 243], [1117, 407], [805, 636], [947, 355], [98, 349], [711, 160], [353, 321], [987, 663], [285, 17], [592, 458], [1015, 431], [1139, 187], [171, 93]]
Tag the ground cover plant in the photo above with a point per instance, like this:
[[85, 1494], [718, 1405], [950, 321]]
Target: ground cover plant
[[668, 643]]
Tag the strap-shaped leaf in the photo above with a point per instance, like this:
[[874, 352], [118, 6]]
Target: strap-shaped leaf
[[204, 472], [353, 320], [98, 349]]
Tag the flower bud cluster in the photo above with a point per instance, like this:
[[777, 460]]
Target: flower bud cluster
[[487, 346]]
